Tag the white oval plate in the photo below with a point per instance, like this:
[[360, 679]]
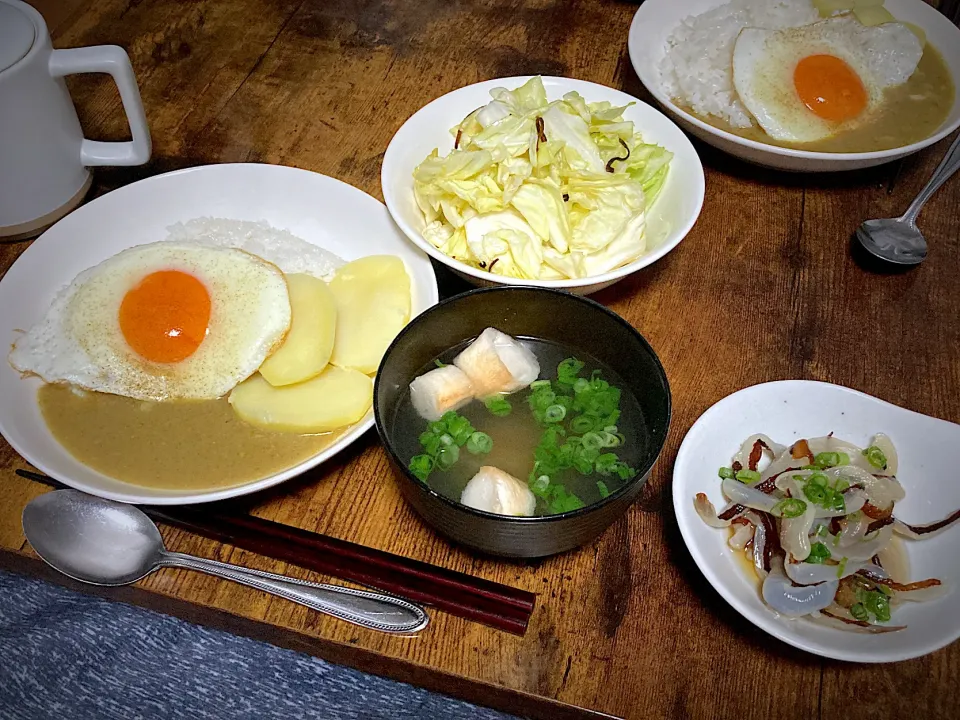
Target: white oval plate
[[656, 20], [787, 411], [319, 209], [670, 218]]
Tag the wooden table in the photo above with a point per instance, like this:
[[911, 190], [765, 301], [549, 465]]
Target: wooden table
[[763, 288]]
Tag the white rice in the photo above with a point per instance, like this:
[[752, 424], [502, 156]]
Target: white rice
[[697, 69], [282, 248]]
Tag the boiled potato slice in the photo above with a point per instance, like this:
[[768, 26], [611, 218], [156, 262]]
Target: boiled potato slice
[[308, 346], [373, 305], [333, 399], [872, 15]]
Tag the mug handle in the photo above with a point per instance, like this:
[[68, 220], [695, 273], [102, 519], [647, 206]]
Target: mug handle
[[112, 60]]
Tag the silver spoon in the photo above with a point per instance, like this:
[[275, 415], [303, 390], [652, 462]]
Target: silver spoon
[[898, 240], [103, 542]]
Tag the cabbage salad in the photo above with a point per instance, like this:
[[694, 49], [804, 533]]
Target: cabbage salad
[[541, 190]]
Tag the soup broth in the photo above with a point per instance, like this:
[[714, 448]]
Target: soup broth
[[911, 112], [515, 436]]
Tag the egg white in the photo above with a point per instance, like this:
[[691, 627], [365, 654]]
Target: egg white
[[764, 62], [79, 341]]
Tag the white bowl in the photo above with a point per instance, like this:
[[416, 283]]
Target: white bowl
[[656, 20], [318, 209], [668, 221], [792, 409]]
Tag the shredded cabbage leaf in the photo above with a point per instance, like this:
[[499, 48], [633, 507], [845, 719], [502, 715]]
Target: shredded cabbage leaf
[[542, 190]]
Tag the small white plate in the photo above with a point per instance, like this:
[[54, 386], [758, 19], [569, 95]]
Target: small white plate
[[656, 20], [792, 409], [670, 218], [319, 209]]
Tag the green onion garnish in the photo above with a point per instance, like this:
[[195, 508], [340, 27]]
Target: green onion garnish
[[827, 459], [818, 553], [498, 405], [818, 478], [439, 364], [747, 476], [554, 413], [447, 457], [726, 473], [479, 443], [602, 487], [875, 457], [790, 508], [842, 567], [421, 466], [859, 612], [814, 493], [568, 371]]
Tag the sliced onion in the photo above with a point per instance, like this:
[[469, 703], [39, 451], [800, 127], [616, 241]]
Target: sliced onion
[[854, 528], [708, 513], [868, 547], [894, 560], [890, 452], [795, 533], [811, 573], [748, 496], [882, 491], [741, 536], [793, 601]]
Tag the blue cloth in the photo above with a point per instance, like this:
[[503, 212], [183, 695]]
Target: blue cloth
[[70, 656]]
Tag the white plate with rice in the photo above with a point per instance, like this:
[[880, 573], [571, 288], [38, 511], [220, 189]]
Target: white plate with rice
[[252, 206], [702, 50]]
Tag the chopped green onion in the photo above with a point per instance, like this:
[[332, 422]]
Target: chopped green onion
[[840, 485], [828, 459], [421, 466], [611, 429], [748, 476], [726, 473], [582, 424], [878, 604], [439, 364], [568, 371], [818, 478], [479, 443], [540, 484], [844, 458], [498, 405], [875, 457], [447, 457], [818, 553], [814, 493], [842, 567], [606, 464], [790, 508], [555, 413], [859, 612], [591, 440], [537, 384], [602, 487]]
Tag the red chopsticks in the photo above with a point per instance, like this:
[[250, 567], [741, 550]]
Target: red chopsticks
[[498, 606]]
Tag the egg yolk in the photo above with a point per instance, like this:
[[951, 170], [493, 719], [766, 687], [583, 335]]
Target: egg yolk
[[165, 317], [829, 88]]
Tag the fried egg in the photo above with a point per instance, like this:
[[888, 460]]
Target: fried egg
[[162, 321], [808, 83]]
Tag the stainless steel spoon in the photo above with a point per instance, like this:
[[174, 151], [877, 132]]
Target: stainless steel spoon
[[898, 240], [103, 542]]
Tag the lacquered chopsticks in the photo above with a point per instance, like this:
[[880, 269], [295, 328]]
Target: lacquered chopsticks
[[476, 599]]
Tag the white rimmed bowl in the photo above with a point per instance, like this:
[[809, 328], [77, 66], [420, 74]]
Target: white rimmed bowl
[[656, 20], [319, 209], [669, 219], [787, 411]]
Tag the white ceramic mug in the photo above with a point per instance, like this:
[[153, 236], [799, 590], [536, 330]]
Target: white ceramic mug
[[44, 158]]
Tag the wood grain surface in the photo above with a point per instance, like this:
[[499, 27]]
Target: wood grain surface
[[763, 288]]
